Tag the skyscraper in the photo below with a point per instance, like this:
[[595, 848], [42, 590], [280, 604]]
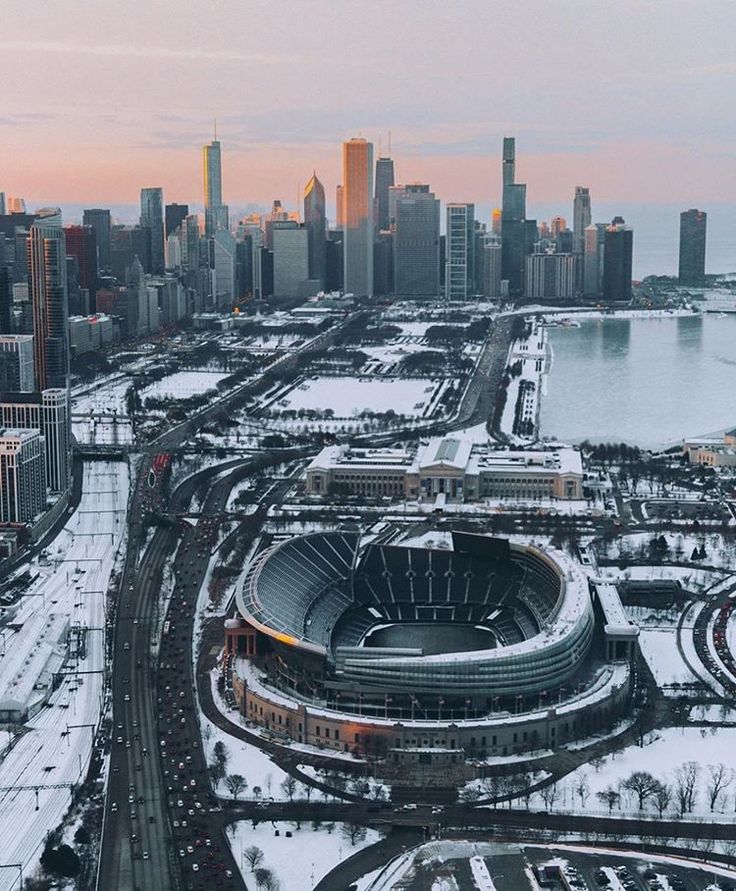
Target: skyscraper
[[223, 263], [513, 215], [99, 219], [215, 212], [290, 258], [496, 221], [384, 180], [2, 203], [595, 236], [617, 262], [22, 477], [339, 207], [47, 270], [692, 247], [152, 218], [357, 164], [581, 217], [459, 251], [315, 221], [81, 243], [48, 412], [6, 299], [416, 243], [174, 216], [16, 363]]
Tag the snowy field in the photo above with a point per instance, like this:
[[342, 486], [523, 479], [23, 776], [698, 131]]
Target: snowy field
[[182, 385], [659, 648], [348, 397], [101, 398], [663, 753], [72, 580], [299, 862]]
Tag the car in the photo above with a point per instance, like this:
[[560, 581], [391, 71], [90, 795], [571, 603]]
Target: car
[[133, 839], [133, 815], [195, 867], [182, 852], [127, 697], [126, 645], [145, 855], [190, 849], [131, 799], [120, 740], [127, 743], [114, 807]]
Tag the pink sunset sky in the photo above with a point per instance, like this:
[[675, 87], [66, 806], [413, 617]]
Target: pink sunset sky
[[633, 99]]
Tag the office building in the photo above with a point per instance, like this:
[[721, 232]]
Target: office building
[[460, 251], [617, 261], [2, 204], [22, 475], [357, 161], [99, 219], [416, 243], [152, 218], [315, 221], [384, 181], [47, 269], [491, 279], [339, 207], [691, 269], [223, 263], [216, 213], [290, 259], [127, 243], [581, 217], [81, 243], [513, 216], [496, 221], [16, 363], [595, 236], [174, 216], [550, 276], [47, 411]]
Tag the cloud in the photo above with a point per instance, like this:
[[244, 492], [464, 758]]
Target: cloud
[[141, 52]]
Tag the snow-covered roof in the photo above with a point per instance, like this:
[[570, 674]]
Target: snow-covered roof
[[37, 651], [617, 622], [445, 451]]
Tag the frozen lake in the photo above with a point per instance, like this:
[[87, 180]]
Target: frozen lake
[[649, 381]]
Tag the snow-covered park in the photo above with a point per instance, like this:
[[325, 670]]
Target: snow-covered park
[[347, 397], [301, 860], [183, 385]]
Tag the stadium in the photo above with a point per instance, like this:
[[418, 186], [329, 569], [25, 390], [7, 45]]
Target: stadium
[[415, 646]]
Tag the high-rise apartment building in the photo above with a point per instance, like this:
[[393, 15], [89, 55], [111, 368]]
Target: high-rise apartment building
[[152, 218], [416, 243], [22, 475], [48, 412], [550, 276], [99, 219], [617, 262], [357, 165], [490, 285], [384, 180], [460, 251], [2, 204], [47, 273], [223, 263], [16, 363], [339, 207], [216, 213], [691, 270], [315, 221], [581, 217]]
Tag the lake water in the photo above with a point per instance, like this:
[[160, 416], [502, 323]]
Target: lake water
[[644, 381]]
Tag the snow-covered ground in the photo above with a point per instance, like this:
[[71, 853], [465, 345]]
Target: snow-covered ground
[[299, 862], [663, 753], [182, 385], [659, 648], [72, 580], [348, 397]]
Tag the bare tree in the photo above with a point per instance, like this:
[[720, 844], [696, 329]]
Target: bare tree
[[610, 797], [253, 856], [662, 797], [235, 784], [306, 790], [206, 736], [288, 786], [549, 795], [642, 784], [582, 788], [686, 779], [379, 792], [266, 880], [360, 787], [353, 833], [719, 780]]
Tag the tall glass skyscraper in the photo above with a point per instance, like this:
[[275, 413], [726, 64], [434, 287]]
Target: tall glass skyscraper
[[47, 277], [513, 216], [581, 218], [215, 212], [416, 243], [692, 246], [460, 251], [315, 221], [152, 218], [357, 165]]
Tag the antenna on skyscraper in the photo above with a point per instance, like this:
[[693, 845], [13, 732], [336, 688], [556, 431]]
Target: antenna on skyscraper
[[389, 143], [215, 129], [380, 146]]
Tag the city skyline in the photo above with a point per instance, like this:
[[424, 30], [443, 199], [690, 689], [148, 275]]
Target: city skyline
[[641, 108]]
